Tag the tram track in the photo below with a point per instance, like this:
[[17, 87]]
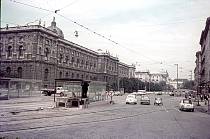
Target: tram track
[[68, 123], [50, 115]]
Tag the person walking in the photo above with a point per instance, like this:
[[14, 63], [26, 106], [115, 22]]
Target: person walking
[[205, 99]]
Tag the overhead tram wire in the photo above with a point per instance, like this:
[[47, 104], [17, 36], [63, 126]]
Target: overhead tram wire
[[31, 5], [67, 19], [98, 34], [68, 5]]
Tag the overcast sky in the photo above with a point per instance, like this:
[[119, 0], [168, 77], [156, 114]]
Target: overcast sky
[[153, 34]]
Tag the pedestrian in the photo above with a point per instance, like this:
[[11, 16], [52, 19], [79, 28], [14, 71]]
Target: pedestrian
[[201, 96], [205, 99]]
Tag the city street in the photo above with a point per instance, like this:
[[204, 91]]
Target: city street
[[117, 121]]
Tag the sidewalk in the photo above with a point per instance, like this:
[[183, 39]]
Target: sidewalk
[[202, 108], [41, 102]]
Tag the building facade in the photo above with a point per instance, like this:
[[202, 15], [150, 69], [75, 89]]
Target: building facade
[[131, 71], [197, 71], [179, 82], [146, 76], [205, 58], [36, 52]]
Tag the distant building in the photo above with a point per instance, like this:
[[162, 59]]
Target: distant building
[[180, 83], [36, 52], [158, 77], [205, 58], [131, 73], [197, 71], [146, 76]]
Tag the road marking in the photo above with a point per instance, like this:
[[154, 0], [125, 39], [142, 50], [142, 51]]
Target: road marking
[[177, 110], [165, 109]]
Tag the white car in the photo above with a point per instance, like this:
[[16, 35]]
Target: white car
[[186, 104], [158, 101], [131, 99]]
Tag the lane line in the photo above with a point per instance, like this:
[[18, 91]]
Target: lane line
[[165, 108], [177, 109]]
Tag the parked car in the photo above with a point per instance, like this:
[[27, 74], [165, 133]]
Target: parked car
[[145, 100], [131, 99], [186, 104], [158, 101], [171, 93]]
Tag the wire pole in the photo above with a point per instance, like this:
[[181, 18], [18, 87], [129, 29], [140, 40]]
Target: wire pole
[[177, 75]]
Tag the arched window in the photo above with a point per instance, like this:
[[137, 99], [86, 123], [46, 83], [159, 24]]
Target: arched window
[[60, 74], [1, 50], [53, 54], [77, 61], [21, 39], [20, 72], [67, 59], [9, 51], [67, 74], [72, 60], [46, 73], [46, 53], [40, 50], [8, 70], [20, 51], [72, 75], [60, 58]]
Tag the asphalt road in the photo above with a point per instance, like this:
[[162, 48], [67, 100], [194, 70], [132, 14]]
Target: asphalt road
[[118, 121]]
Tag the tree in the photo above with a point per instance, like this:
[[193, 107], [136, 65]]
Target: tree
[[188, 84]]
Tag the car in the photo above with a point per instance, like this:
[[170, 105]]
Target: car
[[158, 101], [131, 99], [145, 100], [171, 93], [118, 93], [59, 90], [158, 93], [186, 104]]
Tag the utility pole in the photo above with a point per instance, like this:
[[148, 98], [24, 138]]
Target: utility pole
[[177, 74]]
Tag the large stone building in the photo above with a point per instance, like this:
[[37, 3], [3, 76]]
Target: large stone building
[[179, 82], [36, 52], [146, 76], [205, 58], [197, 71]]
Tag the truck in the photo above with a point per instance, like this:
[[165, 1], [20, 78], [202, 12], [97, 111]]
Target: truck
[[59, 90]]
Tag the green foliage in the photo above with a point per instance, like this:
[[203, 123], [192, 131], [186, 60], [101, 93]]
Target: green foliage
[[133, 84], [188, 85]]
